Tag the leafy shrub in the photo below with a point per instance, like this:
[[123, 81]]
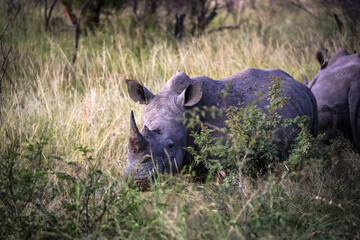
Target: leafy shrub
[[277, 188], [31, 183], [251, 138], [24, 178]]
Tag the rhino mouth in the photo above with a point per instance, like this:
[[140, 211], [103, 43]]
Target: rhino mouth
[[142, 183], [144, 173], [147, 172]]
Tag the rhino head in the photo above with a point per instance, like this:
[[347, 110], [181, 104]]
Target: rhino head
[[159, 146]]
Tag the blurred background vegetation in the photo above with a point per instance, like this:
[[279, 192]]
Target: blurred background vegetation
[[64, 113]]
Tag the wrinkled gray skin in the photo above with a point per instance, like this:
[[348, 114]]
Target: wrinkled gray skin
[[337, 90], [161, 142]]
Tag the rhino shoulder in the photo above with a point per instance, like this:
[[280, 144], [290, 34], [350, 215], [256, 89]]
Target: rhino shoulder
[[259, 74], [278, 73]]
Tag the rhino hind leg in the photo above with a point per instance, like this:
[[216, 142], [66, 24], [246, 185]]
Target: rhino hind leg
[[354, 105]]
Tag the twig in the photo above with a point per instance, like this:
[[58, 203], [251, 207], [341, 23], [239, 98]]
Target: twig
[[3, 33], [242, 192], [297, 4], [5, 61], [77, 32], [103, 211], [48, 16], [243, 209], [224, 28], [4, 66], [77, 36]]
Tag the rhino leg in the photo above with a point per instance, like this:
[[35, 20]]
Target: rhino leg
[[327, 127], [354, 105]]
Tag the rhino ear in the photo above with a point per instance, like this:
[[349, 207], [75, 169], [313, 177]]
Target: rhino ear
[[321, 57], [138, 92], [191, 95]]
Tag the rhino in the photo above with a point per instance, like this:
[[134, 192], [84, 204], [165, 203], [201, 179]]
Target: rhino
[[159, 146], [336, 88]]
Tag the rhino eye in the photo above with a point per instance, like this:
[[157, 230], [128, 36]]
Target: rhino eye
[[157, 130]]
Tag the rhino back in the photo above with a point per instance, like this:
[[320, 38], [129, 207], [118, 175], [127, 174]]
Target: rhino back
[[331, 85], [244, 84], [344, 62], [242, 87], [334, 60]]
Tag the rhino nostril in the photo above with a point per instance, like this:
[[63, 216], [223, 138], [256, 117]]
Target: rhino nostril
[[170, 143]]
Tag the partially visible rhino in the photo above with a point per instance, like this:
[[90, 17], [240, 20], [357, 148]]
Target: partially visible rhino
[[160, 144], [337, 91]]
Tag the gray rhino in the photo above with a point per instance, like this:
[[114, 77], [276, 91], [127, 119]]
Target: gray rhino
[[159, 146], [337, 90]]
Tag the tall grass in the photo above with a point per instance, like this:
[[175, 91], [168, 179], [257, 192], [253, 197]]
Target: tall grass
[[64, 132]]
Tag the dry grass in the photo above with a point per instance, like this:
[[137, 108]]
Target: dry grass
[[88, 105]]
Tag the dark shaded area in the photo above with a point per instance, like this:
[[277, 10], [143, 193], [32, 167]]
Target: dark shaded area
[[185, 18]]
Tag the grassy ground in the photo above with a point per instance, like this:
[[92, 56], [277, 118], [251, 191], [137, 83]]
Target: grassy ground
[[64, 133]]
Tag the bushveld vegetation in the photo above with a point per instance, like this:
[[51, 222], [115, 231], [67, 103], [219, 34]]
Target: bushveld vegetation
[[64, 128]]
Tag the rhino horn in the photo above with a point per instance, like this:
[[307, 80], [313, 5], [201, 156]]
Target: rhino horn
[[137, 142]]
